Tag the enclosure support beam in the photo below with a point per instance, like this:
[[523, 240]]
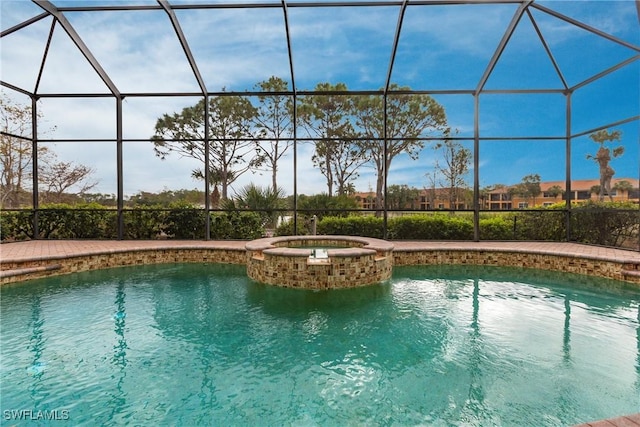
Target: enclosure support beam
[[586, 27], [385, 136], [394, 48], [285, 13], [183, 42], [503, 43], [295, 164], [34, 163], [568, 192], [476, 165], [547, 49], [77, 40], [23, 24], [119, 169], [207, 172], [45, 55], [385, 153]]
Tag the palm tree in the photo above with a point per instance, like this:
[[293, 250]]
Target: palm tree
[[266, 201]]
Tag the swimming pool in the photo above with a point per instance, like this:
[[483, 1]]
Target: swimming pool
[[193, 344]]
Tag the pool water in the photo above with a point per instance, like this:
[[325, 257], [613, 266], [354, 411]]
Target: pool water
[[193, 345]]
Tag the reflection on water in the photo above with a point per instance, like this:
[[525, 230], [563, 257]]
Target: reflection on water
[[203, 345], [36, 346]]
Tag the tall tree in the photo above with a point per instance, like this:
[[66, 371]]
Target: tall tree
[[274, 121], [456, 161], [232, 143], [269, 202], [409, 118], [15, 152], [603, 157], [402, 196], [56, 178], [327, 119]]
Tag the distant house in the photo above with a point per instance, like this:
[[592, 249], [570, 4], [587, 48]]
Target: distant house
[[427, 199], [506, 197]]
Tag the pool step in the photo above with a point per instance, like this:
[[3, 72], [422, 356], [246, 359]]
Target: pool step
[[13, 272], [631, 270]]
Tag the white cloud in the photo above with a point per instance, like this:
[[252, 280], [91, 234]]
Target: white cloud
[[238, 48]]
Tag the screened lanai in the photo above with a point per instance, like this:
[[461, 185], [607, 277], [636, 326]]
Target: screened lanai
[[456, 101]]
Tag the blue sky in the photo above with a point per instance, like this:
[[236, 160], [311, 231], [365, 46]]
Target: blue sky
[[441, 48]]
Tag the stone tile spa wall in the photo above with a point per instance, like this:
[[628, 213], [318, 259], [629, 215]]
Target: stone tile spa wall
[[286, 262]]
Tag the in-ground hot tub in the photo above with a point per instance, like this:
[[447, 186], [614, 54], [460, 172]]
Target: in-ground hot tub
[[338, 262]]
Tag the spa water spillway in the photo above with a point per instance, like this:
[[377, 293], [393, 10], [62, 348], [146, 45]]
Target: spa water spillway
[[319, 262]]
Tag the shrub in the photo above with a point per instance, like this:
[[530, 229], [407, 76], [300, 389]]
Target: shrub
[[354, 225], [16, 225], [84, 221], [144, 222], [546, 223], [184, 221], [322, 205], [606, 223], [430, 227], [496, 228], [286, 228], [236, 225]]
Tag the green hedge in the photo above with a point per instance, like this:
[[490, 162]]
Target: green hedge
[[610, 224], [355, 225], [496, 228], [91, 221], [61, 221], [184, 221], [142, 223], [286, 228], [16, 225], [604, 223], [236, 225], [431, 227], [547, 223]]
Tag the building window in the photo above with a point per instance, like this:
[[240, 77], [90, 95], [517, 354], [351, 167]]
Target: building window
[[523, 205], [583, 195], [548, 195]]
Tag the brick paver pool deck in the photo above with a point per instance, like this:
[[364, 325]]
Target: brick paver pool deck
[[42, 249], [40, 257], [37, 258]]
